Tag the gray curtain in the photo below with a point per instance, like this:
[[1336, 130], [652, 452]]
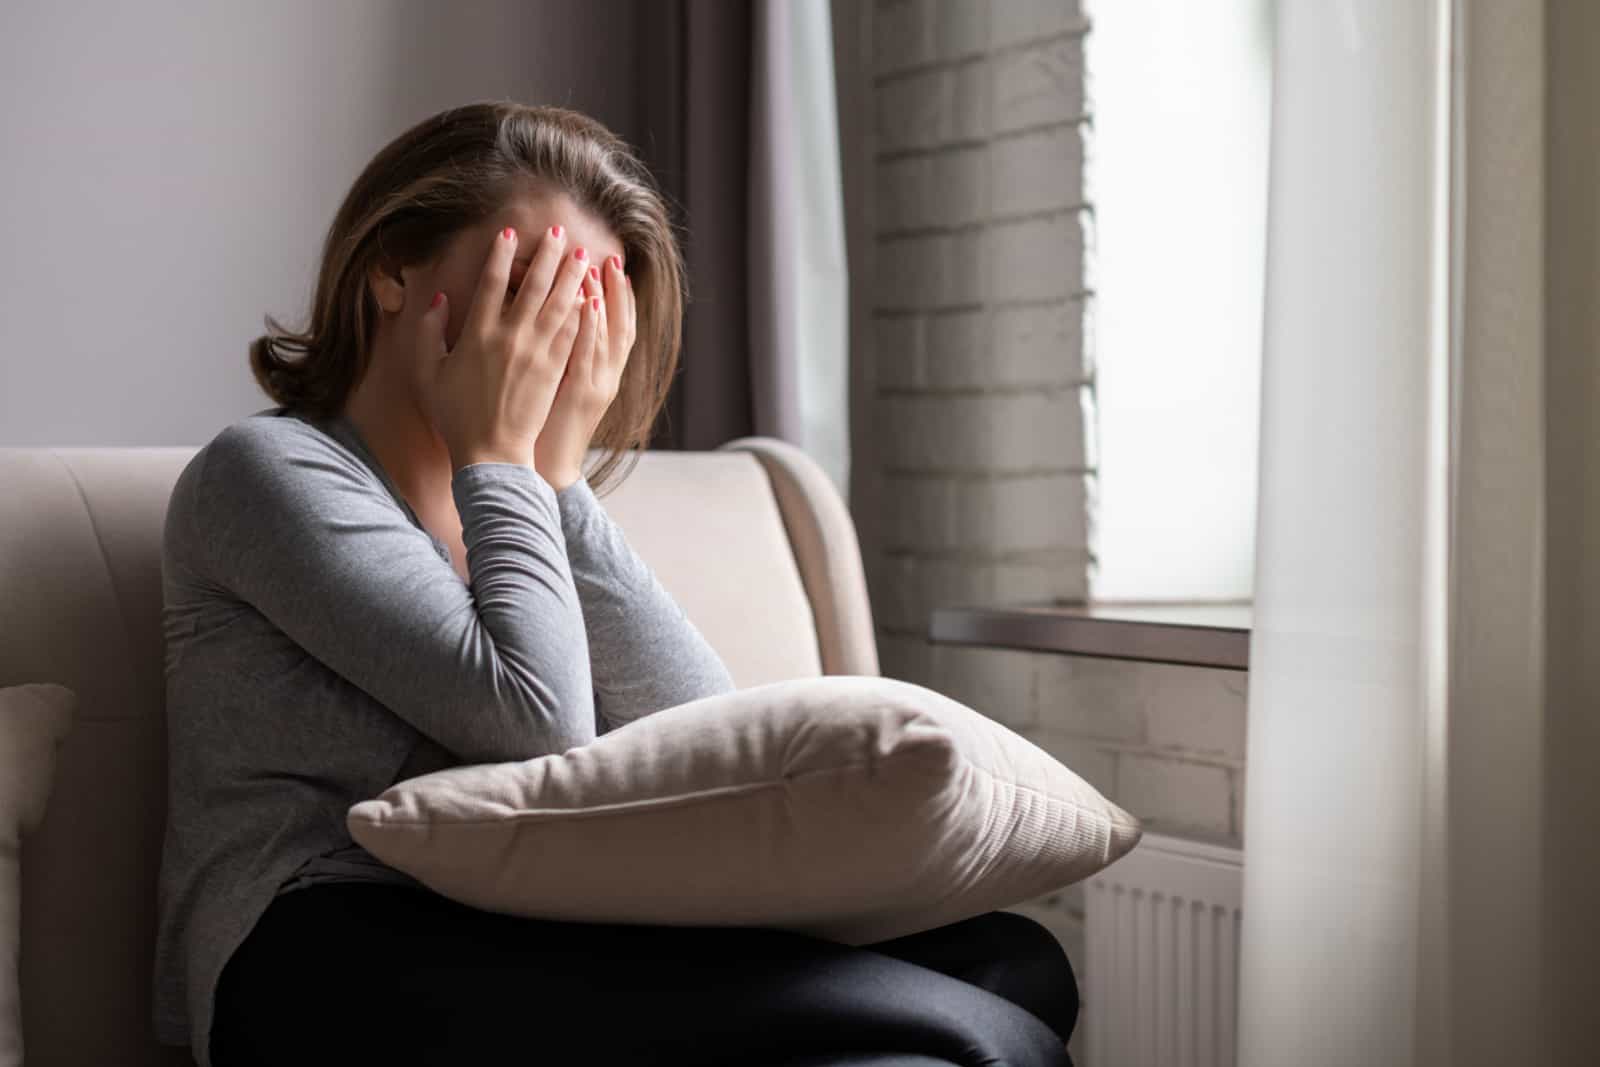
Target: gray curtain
[[738, 123]]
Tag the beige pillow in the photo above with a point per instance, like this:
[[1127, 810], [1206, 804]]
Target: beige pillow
[[849, 807], [33, 721]]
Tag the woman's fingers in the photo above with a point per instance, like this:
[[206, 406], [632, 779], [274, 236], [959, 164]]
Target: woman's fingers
[[594, 294], [541, 272], [580, 364], [608, 299], [616, 305], [490, 297], [630, 322], [430, 328], [571, 323], [605, 359], [568, 283]]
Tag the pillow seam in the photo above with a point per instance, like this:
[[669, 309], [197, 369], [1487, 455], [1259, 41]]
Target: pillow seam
[[649, 803]]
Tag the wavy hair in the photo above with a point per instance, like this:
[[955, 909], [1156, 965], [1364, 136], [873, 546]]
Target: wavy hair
[[452, 171]]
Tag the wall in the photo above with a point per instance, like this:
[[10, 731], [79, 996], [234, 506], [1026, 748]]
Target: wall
[[1570, 875], [973, 455], [175, 169]]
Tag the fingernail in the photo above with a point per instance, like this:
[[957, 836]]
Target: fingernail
[[596, 303], [508, 233], [438, 298], [580, 253], [555, 231], [616, 261], [594, 272]]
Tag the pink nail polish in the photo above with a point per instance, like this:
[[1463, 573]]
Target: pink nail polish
[[580, 254]]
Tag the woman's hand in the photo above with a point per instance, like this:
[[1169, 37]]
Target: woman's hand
[[594, 372], [489, 396]]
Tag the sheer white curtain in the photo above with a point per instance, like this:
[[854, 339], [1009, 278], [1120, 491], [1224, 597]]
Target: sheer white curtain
[[1345, 640], [799, 322], [1421, 818]]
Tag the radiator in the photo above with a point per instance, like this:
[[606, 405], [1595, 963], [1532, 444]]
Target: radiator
[[1162, 926]]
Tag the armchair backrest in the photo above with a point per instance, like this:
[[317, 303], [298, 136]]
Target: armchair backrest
[[751, 540]]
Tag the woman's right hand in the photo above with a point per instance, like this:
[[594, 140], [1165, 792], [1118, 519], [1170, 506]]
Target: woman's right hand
[[488, 397]]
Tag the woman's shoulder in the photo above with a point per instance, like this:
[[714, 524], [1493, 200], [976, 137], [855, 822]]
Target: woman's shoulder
[[267, 453], [271, 431], [280, 444], [270, 469]]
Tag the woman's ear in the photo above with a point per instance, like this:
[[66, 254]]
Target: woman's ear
[[387, 290]]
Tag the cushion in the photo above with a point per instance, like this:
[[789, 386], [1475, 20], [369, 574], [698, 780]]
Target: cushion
[[853, 808], [33, 721]]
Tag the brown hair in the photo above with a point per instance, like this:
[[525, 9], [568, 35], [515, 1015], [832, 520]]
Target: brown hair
[[454, 170]]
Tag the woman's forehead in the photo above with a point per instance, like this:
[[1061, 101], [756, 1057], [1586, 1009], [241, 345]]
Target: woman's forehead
[[530, 214]]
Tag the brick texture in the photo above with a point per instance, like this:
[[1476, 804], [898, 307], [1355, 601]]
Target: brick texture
[[999, 433], [982, 408], [999, 514]]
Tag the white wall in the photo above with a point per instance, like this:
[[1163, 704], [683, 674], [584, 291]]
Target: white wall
[[977, 300], [171, 171]]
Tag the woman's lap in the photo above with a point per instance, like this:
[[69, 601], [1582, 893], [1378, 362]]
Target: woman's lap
[[391, 974], [1006, 953]]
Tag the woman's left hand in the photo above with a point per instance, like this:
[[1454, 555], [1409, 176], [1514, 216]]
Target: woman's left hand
[[594, 371]]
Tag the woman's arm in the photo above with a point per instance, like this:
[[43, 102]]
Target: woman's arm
[[298, 529], [644, 652]]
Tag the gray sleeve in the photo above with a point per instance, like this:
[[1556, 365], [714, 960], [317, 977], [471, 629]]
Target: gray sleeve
[[644, 652], [494, 671]]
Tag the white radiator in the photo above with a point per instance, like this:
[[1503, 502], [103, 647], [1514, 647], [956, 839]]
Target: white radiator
[[1162, 926]]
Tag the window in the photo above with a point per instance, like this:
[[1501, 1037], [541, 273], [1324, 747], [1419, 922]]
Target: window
[[1177, 176]]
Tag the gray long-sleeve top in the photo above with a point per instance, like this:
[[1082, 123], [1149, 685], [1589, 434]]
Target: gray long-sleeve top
[[320, 647]]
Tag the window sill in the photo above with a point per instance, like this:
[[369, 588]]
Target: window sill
[[1187, 633]]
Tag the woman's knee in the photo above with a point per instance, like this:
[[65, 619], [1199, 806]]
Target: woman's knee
[[1029, 967], [867, 1059]]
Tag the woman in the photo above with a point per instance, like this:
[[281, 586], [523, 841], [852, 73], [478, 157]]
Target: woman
[[402, 567]]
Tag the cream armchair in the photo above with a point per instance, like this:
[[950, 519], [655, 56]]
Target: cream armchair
[[751, 539]]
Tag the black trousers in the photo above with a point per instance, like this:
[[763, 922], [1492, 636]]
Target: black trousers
[[353, 972]]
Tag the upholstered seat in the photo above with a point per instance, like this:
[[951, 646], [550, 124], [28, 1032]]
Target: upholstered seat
[[752, 540]]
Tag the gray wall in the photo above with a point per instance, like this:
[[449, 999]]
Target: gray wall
[[171, 170], [1571, 727]]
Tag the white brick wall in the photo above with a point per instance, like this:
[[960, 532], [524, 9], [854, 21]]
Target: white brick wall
[[1175, 794], [970, 184], [917, 582], [1019, 21], [999, 514], [1020, 345], [1039, 83], [982, 413], [1016, 161], [978, 432], [1165, 742]]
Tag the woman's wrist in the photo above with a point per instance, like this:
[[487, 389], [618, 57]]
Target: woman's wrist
[[561, 478], [486, 455]]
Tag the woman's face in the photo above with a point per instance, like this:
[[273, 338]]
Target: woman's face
[[458, 269]]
